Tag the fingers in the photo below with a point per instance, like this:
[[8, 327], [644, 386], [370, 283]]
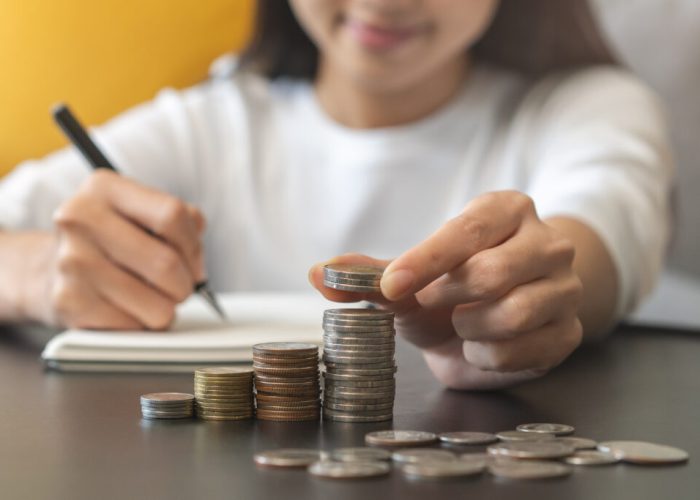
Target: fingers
[[448, 364], [94, 281], [180, 225], [486, 222], [129, 246], [540, 349], [531, 254], [525, 308], [75, 305]]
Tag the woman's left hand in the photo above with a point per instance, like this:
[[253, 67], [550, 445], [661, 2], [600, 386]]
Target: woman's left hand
[[491, 298]]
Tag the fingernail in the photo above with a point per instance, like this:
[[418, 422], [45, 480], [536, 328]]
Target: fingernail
[[397, 283]]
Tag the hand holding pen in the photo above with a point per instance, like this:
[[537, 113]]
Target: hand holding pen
[[127, 254]]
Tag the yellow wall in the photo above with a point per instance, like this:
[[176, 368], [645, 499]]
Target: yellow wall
[[101, 56]]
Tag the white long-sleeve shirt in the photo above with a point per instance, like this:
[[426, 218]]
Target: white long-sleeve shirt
[[284, 186]]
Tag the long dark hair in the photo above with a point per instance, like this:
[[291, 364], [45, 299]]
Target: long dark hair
[[530, 36]]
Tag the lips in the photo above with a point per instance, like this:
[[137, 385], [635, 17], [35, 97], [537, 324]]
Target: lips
[[379, 37]]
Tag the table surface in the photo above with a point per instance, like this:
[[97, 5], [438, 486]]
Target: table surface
[[81, 435]]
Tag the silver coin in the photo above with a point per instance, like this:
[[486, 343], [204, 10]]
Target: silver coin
[[363, 323], [467, 438], [351, 281], [166, 407], [363, 362], [360, 454], [359, 331], [416, 455], [578, 443], [642, 452], [290, 349], [384, 409], [378, 354], [355, 271], [167, 397], [361, 372], [400, 438], [166, 417], [360, 349], [381, 384], [341, 394], [531, 449], [442, 470], [358, 408], [477, 458], [591, 457], [358, 313], [351, 288], [352, 377], [156, 412], [351, 418], [556, 429], [530, 469], [349, 470], [287, 457], [360, 341], [524, 436]]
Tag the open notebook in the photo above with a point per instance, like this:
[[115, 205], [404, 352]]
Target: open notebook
[[198, 337]]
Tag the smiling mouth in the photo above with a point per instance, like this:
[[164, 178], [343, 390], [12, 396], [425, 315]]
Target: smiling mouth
[[376, 37]]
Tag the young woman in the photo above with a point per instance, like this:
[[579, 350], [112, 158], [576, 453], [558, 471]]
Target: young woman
[[513, 181]]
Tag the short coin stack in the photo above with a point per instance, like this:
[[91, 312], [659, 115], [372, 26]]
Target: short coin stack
[[286, 381], [167, 405], [352, 278], [358, 353], [224, 393]]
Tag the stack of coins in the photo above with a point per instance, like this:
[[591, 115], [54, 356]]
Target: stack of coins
[[352, 278], [286, 381], [224, 393], [167, 405], [358, 354]]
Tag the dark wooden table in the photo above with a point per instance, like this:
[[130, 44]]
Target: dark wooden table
[[81, 436]]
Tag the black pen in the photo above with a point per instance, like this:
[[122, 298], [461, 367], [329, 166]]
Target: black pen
[[77, 134]]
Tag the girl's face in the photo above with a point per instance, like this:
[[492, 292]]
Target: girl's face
[[392, 44]]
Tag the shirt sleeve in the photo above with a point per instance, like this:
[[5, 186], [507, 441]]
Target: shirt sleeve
[[601, 155], [153, 143]]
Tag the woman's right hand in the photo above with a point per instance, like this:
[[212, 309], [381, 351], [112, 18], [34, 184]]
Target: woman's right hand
[[124, 256]]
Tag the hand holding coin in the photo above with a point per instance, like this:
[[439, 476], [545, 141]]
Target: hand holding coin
[[491, 297]]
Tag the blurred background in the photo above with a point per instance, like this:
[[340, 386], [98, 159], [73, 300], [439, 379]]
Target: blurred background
[[106, 56]]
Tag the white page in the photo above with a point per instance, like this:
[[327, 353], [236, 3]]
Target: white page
[[198, 335]]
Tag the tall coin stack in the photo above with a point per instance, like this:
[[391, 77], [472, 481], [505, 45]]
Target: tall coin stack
[[358, 353], [224, 393], [286, 381]]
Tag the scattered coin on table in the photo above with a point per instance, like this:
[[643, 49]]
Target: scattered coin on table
[[591, 457], [443, 470], [349, 470], [287, 457], [578, 443], [467, 438], [528, 469], [360, 454], [644, 453], [556, 429], [416, 455], [524, 436], [400, 438], [531, 449]]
